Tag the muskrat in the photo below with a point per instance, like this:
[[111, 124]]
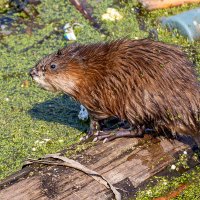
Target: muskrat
[[147, 83]]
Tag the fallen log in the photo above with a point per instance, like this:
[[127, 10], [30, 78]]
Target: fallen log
[[125, 162], [158, 4]]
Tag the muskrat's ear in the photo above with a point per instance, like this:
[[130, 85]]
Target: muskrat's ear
[[59, 52]]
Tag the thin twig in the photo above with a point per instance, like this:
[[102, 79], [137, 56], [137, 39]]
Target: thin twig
[[81, 7]]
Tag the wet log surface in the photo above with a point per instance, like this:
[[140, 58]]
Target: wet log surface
[[128, 163]]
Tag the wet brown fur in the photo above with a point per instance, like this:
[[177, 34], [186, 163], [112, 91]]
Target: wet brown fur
[[142, 81]]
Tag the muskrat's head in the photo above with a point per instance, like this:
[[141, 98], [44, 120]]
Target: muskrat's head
[[60, 71]]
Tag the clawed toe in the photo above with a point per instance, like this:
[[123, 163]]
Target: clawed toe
[[107, 136]]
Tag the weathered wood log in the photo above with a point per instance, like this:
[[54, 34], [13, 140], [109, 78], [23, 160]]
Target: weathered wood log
[[157, 4], [126, 163]]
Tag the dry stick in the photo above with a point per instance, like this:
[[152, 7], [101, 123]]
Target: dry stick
[[81, 7], [76, 165]]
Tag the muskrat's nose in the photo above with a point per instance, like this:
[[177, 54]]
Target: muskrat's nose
[[33, 72]]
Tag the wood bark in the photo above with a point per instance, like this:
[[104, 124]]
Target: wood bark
[[126, 163]]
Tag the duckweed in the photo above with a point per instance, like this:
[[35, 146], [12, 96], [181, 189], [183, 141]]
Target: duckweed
[[35, 122]]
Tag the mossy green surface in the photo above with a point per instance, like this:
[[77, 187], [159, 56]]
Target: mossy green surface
[[4, 6], [185, 185], [35, 122]]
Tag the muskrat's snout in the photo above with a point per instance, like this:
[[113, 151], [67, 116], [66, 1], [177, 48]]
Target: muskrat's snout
[[33, 72]]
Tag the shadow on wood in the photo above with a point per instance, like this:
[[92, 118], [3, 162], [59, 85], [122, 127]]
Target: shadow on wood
[[126, 163]]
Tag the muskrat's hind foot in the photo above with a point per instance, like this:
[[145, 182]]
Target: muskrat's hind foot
[[107, 136]]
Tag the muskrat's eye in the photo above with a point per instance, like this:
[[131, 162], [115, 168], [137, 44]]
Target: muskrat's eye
[[53, 66]]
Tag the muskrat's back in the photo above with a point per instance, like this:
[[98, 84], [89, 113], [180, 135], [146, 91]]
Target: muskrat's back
[[142, 81]]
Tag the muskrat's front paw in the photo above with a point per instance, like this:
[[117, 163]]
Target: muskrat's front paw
[[92, 131]]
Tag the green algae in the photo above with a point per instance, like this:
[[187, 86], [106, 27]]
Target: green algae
[[35, 122], [165, 185], [4, 6]]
